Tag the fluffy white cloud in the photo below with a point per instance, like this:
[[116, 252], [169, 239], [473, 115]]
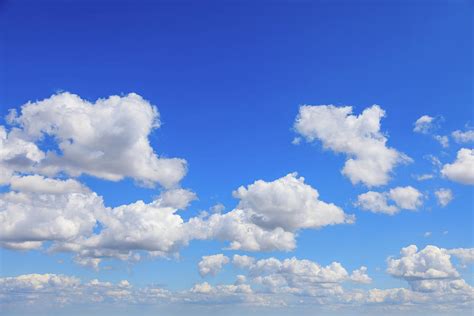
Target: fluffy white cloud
[[407, 198], [16, 154], [465, 255], [463, 137], [424, 124], [430, 263], [288, 203], [63, 210], [296, 276], [360, 276], [269, 214], [444, 196], [144, 226], [370, 161], [107, 139], [461, 170], [212, 264]]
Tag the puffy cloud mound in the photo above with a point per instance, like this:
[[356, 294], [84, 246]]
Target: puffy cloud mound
[[407, 198], [297, 276], [465, 255], [430, 263], [106, 139], [462, 169], [463, 137], [269, 214], [370, 161], [42, 209], [288, 203], [444, 196], [212, 264], [16, 154]]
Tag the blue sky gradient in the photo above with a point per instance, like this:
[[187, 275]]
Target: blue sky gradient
[[228, 79]]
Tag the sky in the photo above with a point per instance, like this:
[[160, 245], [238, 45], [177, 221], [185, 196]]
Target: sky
[[266, 157]]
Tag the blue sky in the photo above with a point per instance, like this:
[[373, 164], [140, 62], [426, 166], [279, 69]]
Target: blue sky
[[228, 80]]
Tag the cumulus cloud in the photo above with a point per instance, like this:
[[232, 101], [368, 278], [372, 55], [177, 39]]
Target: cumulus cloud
[[463, 137], [295, 276], [269, 214], [75, 219], [444, 196], [369, 161], [462, 169], [16, 154], [465, 255], [62, 210], [430, 263], [431, 272], [407, 198], [212, 264], [106, 139], [424, 124]]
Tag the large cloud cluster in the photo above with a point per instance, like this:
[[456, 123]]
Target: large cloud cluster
[[106, 139], [269, 214]]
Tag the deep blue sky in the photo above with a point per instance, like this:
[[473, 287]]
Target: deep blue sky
[[228, 79]]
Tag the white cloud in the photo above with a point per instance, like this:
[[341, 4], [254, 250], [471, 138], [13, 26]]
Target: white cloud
[[461, 170], [463, 137], [370, 161], [40, 184], [443, 140], [269, 214], [212, 264], [16, 154], [430, 263], [407, 198], [360, 276], [424, 177], [28, 218], [106, 139], [444, 196], [465, 255], [297, 276], [288, 203], [424, 124]]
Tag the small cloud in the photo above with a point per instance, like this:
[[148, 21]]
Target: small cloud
[[423, 177], [427, 234], [444, 196], [424, 124], [296, 141], [463, 137], [443, 140]]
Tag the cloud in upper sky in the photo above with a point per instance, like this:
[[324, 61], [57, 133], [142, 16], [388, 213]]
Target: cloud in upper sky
[[407, 198], [107, 139], [462, 169], [369, 161], [424, 124]]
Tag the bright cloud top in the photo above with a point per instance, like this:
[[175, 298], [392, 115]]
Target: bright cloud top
[[462, 169], [369, 161], [407, 198], [106, 139]]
